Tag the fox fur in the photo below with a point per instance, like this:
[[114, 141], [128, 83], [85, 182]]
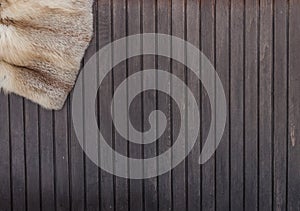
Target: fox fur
[[42, 43]]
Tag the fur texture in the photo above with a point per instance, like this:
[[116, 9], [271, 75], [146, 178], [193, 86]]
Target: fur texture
[[42, 43]]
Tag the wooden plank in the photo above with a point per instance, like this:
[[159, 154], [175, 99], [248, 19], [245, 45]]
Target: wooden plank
[[236, 102], [92, 179], [136, 107], [222, 68], [294, 107], [105, 95], [163, 21], [77, 171], [193, 168], [62, 159], [18, 156], [280, 105], [77, 156], [251, 103], [5, 156], [47, 160], [32, 155], [265, 105], [208, 48], [119, 75], [178, 173], [150, 104]]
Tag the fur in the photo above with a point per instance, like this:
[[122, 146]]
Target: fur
[[42, 43]]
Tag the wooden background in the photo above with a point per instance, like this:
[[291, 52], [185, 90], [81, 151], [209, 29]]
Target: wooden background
[[255, 47]]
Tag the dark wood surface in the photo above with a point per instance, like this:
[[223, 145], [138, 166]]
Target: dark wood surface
[[255, 48]]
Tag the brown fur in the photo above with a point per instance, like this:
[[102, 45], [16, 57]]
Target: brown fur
[[42, 43]]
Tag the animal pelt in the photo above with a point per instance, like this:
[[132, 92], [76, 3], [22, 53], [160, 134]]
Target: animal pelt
[[42, 43]]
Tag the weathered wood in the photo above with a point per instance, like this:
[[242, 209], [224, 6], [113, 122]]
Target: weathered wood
[[280, 105], [120, 74], [294, 107], [47, 160], [236, 102], [107, 197], [255, 48], [265, 87], [164, 104], [150, 99], [18, 155], [208, 42], [251, 103], [92, 179], [32, 144], [77, 175], [179, 197], [136, 116], [194, 176], [61, 137], [5, 156], [222, 53]]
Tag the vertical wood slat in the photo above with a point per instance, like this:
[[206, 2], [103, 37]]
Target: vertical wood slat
[[32, 144], [62, 159], [222, 62], [77, 175], [293, 106], [5, 154], [47, 160], [193, 178], [77, 159], [251, 103], [265, 87], [119, 75], [163, 22], [18, 155], [92, 179], [280, 105], [236, 102], [179, 173], [208, 48], [150, 102], [105, 37], [136, 116]]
